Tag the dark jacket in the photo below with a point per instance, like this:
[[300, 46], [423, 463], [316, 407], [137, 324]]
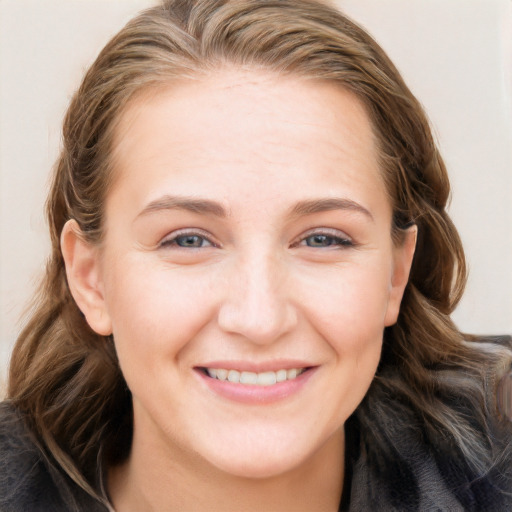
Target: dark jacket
[[28, 481], [414, 470], [409, 468]]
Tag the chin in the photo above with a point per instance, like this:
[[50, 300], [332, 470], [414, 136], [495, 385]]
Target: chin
[[261, 460], [261, 469]]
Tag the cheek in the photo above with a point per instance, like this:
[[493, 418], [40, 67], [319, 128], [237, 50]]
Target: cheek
[[349, 306], [156, 310], [349, 314]]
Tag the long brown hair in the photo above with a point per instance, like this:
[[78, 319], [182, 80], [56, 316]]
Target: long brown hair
[[65, 378]]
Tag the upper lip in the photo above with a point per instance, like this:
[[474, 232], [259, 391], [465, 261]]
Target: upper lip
[[257, 367]]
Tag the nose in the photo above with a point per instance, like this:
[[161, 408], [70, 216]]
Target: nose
[[257, 304]]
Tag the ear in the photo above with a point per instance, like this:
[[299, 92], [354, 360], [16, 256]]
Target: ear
[[403, 254], [84, 278]]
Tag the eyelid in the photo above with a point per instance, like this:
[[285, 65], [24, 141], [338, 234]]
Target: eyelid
[[171, 237], [332, 232]]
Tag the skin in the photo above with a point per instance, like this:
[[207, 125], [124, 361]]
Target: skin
[[268, 282]]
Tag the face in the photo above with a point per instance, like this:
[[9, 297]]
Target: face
[[247, 271]]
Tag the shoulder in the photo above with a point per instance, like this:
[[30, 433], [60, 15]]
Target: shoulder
[[25, 483], [412, 458], [27, 480]]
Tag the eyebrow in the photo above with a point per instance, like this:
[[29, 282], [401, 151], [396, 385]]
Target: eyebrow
[[191, 204], [313, 206], [208, 207]]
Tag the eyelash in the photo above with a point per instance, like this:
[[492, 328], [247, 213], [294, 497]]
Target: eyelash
[[173, 241], [331, 237]]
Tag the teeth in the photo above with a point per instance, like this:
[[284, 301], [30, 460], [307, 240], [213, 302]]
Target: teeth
[[291, 374], [233, 376], [221, 374], [254, 379], [248, 378], [267, 378], [281, 375]]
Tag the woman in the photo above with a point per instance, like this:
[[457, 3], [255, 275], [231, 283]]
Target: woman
[[247, 304]]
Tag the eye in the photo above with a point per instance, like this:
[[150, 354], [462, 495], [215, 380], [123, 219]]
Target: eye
[[187, 240], [325, 239], [320, 240]]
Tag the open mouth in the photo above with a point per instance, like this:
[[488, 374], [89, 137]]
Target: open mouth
[[268, 378]]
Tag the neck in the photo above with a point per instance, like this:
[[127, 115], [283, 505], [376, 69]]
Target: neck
[[174, 483]]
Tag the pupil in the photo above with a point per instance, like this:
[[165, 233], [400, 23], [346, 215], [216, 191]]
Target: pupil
[[322, 240], [189, 241]]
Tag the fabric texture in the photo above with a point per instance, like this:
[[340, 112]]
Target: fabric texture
[[409, 468], [417, 467], [28, 481], [420, 471]]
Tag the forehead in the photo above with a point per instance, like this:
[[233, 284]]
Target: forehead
[[244, 98], [279, 129]]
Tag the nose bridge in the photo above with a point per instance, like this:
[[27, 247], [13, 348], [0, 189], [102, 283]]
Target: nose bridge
[[257, 304]]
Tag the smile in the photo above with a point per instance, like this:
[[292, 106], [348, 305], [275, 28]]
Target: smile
[[268, 378]]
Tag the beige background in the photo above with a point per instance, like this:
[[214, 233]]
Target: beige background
[[456, 55]]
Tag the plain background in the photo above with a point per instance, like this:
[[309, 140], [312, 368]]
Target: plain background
[[456, 56]]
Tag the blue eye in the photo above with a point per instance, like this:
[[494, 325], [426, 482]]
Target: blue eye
[[322, 240], [188, 240], [191, 241]]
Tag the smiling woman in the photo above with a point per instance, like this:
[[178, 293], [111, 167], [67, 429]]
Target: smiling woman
[[252, 275], [243, 285]]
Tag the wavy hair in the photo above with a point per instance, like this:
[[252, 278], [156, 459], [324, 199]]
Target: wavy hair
[[65, 378]]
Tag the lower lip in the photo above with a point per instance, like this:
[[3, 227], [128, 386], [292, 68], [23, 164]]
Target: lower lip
[[249, 394]]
